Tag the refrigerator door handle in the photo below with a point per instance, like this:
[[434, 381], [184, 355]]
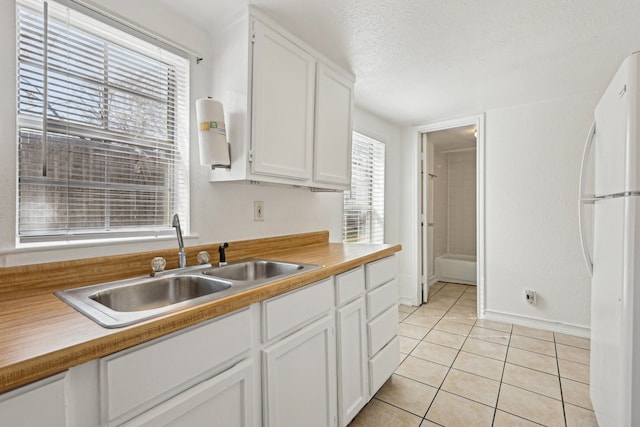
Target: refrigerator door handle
[[584, 199]]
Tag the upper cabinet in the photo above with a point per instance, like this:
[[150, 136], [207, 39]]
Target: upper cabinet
[[334, 95], [289, 110], [282, 106]]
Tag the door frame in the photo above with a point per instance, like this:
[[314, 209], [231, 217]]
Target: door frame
[[422, 245]]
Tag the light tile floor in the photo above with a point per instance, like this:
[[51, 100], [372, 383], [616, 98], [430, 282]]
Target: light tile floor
[[457, 370]]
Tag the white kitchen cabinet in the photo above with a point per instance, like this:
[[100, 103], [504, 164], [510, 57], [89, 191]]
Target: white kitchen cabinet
[[289, 312], [43, 403], [334, 100], [134, 381], [299, 357], [351, 344], [382, 320], [224, 400], [282, 106], [352, 360], [288, 108], [300, 378]]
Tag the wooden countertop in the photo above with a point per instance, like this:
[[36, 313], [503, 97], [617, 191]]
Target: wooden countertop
[[40, 335]]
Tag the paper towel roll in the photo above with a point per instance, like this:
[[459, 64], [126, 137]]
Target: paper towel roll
[[212, 135]]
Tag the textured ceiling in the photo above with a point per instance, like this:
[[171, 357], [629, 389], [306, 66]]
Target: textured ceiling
[[417, 61]]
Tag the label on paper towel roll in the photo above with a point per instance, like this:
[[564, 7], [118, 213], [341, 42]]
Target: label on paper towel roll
[[206, 126]]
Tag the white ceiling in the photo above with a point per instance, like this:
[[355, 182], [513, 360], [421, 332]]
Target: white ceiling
[[417, 61]]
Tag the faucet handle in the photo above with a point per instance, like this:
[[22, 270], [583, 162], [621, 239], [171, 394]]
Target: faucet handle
[[203, 257], [157, 265]]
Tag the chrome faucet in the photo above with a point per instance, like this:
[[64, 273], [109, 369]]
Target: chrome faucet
[[182, 256]]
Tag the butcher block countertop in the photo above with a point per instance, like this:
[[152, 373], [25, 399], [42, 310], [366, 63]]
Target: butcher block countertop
[[40, 335]]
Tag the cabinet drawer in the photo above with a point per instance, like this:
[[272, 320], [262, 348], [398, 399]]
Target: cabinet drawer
[[289, 312], [381, 298], [383, 365], [349, 285], [382, 329], [224, 400], [379, 272], [43, 403], [131, 379]]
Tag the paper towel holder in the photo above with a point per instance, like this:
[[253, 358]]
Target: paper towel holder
[[226, 165], [212, 136]]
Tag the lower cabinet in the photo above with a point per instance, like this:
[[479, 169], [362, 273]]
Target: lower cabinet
[[43, 403], [382, 321], [300, 378], [224, 400], [311, 357], [171, 372], [352, 360]]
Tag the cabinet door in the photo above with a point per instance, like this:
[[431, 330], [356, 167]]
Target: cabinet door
[[300, 378], [283, 83], [352, 360], [224, 400], [334, 98], [43, 403]]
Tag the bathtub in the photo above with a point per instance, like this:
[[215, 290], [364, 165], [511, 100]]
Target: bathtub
[[456, 268]]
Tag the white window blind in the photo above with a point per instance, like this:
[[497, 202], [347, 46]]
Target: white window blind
[[102, 129], [364, 202]]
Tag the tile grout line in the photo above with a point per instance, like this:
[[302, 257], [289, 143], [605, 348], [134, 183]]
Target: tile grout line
[[454, 359], [504, 366], [564, 411]]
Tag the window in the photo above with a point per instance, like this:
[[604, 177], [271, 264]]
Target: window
[[364, 202], [102, 128]]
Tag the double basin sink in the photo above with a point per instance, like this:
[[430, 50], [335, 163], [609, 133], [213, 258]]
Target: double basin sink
[[125, 302]]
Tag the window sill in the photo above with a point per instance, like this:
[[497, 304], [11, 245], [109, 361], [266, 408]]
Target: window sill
[[40, 252]]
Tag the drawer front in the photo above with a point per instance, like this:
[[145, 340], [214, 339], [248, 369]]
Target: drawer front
[[382, 271], [43, 403], [349, 285], [382, 329], [383, 365], [224, 400], [287, 313], [381, 298], [132, 379]]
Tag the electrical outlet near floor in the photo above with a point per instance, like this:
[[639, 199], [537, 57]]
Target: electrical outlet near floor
[[258, 210]]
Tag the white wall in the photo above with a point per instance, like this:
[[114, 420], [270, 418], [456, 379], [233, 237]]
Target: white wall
[[533, 155], [220, 211], [461, 197], [532, 161]]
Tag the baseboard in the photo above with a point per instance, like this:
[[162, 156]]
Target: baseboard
[[564, 328], [458, 281], [407, 301]]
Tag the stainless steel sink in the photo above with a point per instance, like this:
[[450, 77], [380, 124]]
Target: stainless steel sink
[[251, 270], [125, 302], [158, 293]]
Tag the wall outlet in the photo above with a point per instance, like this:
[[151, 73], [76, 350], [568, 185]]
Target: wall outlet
[[530, 296], [258, 210]]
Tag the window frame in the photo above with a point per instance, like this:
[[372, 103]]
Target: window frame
[[177, 170], [363, 205]]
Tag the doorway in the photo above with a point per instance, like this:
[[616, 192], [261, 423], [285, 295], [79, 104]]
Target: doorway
[[452, 204]]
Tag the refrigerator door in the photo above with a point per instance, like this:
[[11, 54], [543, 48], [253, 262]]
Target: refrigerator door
[[617, 155], [606, 312], [615, 329]]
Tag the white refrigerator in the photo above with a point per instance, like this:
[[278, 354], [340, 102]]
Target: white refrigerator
[[614, 258]]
